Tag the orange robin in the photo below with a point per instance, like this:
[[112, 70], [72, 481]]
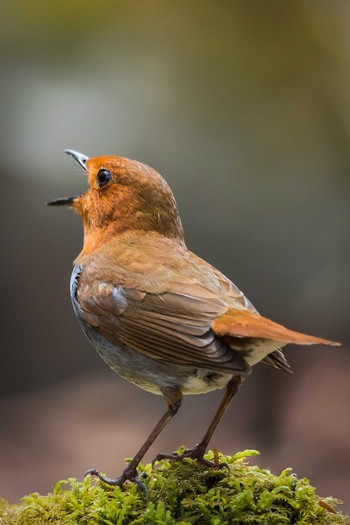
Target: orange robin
[[160, 316]]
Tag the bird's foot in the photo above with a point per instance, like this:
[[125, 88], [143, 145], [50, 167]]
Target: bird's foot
[[129, 474], [196, 453]]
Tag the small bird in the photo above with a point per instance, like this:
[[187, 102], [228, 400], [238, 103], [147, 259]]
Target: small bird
[[158, 315]]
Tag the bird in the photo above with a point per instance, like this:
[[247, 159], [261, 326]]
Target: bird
[[159, 315]]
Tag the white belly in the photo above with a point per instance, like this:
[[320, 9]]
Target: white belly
[[199, 384]]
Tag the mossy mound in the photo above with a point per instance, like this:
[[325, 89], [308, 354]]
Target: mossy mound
[[184, 494]]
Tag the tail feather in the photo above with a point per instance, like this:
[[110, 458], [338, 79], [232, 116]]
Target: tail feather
[[244, 323], [277, 359]]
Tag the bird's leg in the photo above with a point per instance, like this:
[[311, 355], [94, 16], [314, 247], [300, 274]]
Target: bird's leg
[[199, 450], [173, 398]]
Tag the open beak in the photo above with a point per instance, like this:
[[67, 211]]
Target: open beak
[[81, 159]]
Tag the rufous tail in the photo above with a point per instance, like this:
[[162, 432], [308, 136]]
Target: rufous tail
[[244, 323]]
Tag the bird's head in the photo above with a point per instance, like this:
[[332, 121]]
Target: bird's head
[[123, 195]]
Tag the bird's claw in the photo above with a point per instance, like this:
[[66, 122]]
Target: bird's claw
[[196, 453], [129, 474]]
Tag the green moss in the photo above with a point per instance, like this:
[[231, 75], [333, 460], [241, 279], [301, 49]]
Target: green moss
[[184, 494]]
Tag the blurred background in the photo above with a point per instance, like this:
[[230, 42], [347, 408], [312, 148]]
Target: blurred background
[[243, 106]]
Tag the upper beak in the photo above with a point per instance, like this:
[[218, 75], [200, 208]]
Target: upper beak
[[79, 157], [68, 201]]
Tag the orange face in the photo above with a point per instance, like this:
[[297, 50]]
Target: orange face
[[123, 195], [113, 194]]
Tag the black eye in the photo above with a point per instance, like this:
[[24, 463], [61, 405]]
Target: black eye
[[103, 177]]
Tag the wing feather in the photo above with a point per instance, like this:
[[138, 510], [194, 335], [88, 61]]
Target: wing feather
[[173, 327]]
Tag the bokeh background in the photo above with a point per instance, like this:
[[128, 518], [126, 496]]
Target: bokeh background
[[243, 106]]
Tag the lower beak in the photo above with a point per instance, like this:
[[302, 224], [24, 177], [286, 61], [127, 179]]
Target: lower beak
[[63, 201]]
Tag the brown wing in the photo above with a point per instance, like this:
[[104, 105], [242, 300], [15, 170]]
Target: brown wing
[[172, 327]]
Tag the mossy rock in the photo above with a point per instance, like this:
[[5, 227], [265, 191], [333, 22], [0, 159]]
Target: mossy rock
[[184, 494]]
